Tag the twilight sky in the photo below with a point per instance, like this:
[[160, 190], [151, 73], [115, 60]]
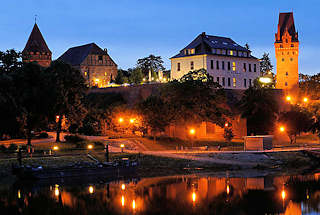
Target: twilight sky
[[132, 29]]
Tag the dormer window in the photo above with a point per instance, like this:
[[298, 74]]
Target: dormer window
[[231, 52], [213, 51]]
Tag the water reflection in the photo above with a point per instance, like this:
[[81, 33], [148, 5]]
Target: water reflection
[[169, 195]]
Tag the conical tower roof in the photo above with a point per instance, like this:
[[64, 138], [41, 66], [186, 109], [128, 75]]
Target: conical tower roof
[[36, 43]]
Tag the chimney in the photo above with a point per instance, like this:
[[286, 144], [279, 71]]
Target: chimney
[[203, 34], [105, 50]]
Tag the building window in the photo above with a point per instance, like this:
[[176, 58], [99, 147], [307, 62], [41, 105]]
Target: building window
[[286, 73], [178, 67], [234, 82], [222, 65], [213, 51], [250, 83], [223, 81], [100, 58], [286, 84], [217, 66], [292, 53], [244, 67], [281, 46], [211, 64], [245, 82], [231, 52], [282, 59], [229, 82], [250, 67], [187, 52], [254, 68], [291, 59], [292, 45], [218, 80], [85, 74], [191, 65], [234, 66], [229, 67]]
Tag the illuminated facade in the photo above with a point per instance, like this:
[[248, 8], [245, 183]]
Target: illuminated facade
[[36, 49], [287, 52], [231, 65], [95, 64]]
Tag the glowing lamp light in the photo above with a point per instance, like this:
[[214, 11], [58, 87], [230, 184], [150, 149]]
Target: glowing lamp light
[[305, 99], [282, 128], [123, 187], [19, 194], [192, 131], [122, 201], [228, 189], [283, 194], [265, 80], [90, 146], [55, 148], [288, 98], [226, 124], [194, 196], [122, 145], [131, 120], [120, 119], [133, 204], [91, 190], [57, 117], [56, 190]]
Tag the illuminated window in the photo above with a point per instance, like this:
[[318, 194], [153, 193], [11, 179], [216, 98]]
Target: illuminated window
[[231, 52], [178, 67], [85, 73], [191, 51], [234, 82], [233, 66], [105, 74], [191, 65]]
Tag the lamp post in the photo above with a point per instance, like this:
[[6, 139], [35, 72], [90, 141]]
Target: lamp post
[[192, 132], [122, 147]]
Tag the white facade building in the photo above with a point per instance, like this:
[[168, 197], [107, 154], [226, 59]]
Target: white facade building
[[231, 65]]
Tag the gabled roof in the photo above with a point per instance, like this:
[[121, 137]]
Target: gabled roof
[[205, 43], [286, 22], [36, 43], [76, 55]]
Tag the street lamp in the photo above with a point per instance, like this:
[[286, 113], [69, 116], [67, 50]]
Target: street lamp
[[120, 120], [122, 146], [288, 98], [91, 190], [192, 131], [90, 146], [55, 148], [131, 120], [282, 128], [123, 187], [305, 99]]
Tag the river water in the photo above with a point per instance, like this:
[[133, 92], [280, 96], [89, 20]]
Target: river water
[[190, 194]]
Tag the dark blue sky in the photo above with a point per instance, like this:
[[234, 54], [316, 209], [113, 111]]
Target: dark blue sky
[[133, 29]]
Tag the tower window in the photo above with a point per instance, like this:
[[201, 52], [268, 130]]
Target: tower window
[[286, 73], [292, 53], [291, 59], [292, 45], [233, 66], [234, 82], [191, 65], [178, 67], [282, 59], [211, 64], [281, 46], [286, 83]]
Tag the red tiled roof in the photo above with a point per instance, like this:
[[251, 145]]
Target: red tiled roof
[[286, 22], [36, 43]]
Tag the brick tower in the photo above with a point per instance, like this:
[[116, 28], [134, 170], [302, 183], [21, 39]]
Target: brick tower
[[36, 49], [287, 52]]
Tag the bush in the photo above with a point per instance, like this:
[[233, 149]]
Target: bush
[[43, 135], [73, 138]]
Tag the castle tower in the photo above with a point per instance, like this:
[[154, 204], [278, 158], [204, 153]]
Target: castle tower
[[36, 49], [287, 52]]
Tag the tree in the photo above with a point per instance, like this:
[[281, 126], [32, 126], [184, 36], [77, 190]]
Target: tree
[[10, 61], [260, 108], [265, 64], [156, 114], [310, 85], [296, 121], [136, 76], [68, 90], [228, 134], [151, 63], [196, 98], [120, 78], [32, 97]]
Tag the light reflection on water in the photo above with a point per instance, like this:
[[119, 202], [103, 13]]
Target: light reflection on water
[[169, 195]]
